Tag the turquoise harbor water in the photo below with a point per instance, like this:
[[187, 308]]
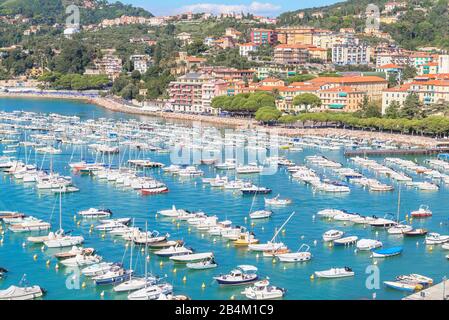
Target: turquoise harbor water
[[191, 194]]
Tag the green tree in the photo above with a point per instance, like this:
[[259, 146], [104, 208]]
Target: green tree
[[307, 99], [409, 72], [392, 111], [268, 114], [412, 107]]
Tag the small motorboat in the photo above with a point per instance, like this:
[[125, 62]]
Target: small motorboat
[[403, 286], [241, 275], [436, 238], [10, 215], [269, 246], [255, 190], [275, 253], [332, 235], [245, 239], [38, 239], [124, 221], [61, 240], [335, 273], [176, 250], [385, 253], [260, 214], [208, 263], [186, 258], [81, 260], [261, 290], [368, 244], [146, 238], [399, 229], [303, 254], [345, 216], [106, 227], [346, 241], [416, 232], [363, 220], [94, 213], [173, 212], [383, 222], [422, 212], [21, 293], [30, 226], [328, 213], [276, 201], [65, 241], [99, 269], [416, 279], [74, 252], [135, 283], [151, 292], [164, 244], [113, 276]]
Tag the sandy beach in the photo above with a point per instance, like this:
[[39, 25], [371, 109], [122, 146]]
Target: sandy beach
[[117, 106]]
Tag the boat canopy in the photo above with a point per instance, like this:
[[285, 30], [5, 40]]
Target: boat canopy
[[247, 268], [387, 251]]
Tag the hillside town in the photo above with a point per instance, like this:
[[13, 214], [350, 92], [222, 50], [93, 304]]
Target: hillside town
[[235, 153], [341, 69]]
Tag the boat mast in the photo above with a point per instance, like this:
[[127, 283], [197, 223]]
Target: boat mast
[[146, 253], [131, 257], [399, 203], [283, 225], [60, 208]]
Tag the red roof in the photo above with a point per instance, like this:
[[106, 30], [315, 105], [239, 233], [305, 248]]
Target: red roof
[[343, 80], [390, 66]]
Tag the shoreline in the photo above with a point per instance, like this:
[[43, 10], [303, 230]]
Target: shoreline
[[116, 106]]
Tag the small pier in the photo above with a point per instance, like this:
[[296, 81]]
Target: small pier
[[395, 152], [439, 291]]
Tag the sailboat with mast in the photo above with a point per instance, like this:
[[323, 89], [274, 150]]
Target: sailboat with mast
[[59, 239], [399, 228], [273, 244], [148, 288], [136, 283]]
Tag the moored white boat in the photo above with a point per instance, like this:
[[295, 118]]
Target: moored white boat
[[332, 235], [368, 244], [262, 290], [335, 273]]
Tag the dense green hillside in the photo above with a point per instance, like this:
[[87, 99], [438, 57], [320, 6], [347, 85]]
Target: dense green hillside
[[51, 11], [425, 23]]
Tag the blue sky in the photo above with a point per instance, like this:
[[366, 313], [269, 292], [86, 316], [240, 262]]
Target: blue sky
[[261, 7]]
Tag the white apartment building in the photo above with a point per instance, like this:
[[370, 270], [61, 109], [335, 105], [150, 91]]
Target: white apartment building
[[141, 62], [246, 48], [351, 52]]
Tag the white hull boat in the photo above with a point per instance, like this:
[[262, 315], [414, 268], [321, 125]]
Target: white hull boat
[[368, 244], [262, 290], [186, 258], [21, 293], [335, 273]]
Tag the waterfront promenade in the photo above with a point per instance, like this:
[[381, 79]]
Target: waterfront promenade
[[117, 105], [439, 291]]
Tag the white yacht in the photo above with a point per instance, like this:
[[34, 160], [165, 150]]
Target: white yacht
[[261, 290], [332, 235], [436, 238]]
